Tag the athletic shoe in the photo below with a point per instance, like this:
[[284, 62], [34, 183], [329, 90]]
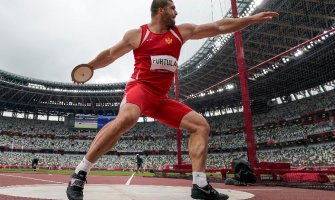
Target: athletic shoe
[[75, 188], [207, 193]]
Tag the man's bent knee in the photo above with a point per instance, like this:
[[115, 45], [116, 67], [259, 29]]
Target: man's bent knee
[[128, 116], [127, 120], [194, 122], [130, 110], [205, 127]]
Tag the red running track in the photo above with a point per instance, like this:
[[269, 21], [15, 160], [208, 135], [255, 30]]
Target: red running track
[[260, 192]]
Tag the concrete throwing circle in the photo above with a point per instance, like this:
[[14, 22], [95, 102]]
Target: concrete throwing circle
[[113, 192]]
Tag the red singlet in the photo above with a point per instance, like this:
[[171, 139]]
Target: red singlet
[[156, 60]]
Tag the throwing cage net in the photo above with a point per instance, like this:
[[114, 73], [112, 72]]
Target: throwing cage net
[[288, 134]]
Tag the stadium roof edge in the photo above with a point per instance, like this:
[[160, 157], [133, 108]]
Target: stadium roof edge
[[51, 84]]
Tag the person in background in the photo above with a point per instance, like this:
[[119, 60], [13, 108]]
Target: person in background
[[139, 163]]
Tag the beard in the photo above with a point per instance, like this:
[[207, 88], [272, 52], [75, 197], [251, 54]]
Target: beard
[[169, 21]]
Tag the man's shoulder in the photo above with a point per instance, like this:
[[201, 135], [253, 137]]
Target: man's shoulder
[[134, 31], [185, 30], [133, 37]]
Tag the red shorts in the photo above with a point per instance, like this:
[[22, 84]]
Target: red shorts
[[161, 108]]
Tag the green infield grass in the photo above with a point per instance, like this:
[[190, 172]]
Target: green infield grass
[[94, 172]]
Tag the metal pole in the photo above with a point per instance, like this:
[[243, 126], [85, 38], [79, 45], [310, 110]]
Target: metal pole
[[243, 74], [176, 90]]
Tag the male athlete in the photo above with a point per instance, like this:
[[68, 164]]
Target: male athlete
[[139, 163], [156, 47]]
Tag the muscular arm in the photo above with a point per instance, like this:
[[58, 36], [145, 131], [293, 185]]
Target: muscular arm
[[192, 31], [129, 41]]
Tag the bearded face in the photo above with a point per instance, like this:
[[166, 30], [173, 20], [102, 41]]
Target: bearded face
[[169, 20], [169, 15]]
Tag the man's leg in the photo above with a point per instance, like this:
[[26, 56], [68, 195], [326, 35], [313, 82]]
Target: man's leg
[[104, 141], [178, 115], [199, 129], [112, 132]]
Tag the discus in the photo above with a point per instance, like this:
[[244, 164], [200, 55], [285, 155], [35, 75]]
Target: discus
[[82, 73]]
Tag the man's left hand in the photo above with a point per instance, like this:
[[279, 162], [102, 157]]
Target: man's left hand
[[263, 16]]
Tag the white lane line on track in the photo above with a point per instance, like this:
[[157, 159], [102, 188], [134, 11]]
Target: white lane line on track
[[36, 179], [129, 180]]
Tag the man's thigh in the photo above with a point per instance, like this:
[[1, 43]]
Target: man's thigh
[[165, 110], [140, 95], [170, 112]]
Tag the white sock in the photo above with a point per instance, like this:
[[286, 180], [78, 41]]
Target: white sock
[[199, 178], [84, 165]]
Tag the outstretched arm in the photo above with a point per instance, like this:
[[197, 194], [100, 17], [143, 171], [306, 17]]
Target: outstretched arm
[[129, 41], [192, 31]]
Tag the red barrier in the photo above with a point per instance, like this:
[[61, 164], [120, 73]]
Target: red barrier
[[273, 165], [305, 177]]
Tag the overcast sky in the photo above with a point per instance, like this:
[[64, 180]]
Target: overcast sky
[[45, 39]]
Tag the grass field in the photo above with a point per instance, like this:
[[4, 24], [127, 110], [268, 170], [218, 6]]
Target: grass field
[[107, 173], [104, 173]]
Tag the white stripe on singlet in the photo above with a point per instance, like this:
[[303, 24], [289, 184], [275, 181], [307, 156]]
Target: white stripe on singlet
[[145, 36], [175, 34]]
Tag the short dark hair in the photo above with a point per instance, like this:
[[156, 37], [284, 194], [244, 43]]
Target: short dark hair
[[156, 4]]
